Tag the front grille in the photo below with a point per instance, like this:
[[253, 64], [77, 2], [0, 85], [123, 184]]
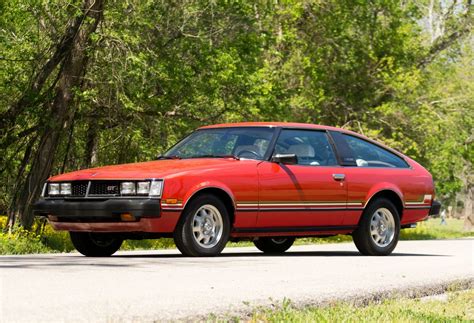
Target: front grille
[[104, 188], [79, 189]]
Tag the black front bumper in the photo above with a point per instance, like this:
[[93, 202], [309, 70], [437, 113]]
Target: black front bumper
[[102, 209], [435, 208]]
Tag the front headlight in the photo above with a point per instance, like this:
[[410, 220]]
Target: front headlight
[[151, 188], [128, 188], [59, 189], [53, 189], [65, 188], [143, 188]]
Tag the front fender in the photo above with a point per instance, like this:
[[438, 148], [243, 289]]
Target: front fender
[[205, 185]]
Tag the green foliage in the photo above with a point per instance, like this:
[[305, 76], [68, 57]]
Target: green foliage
[[21, 242], [432, 229], [148, 244], [458, 308], [159, 69]]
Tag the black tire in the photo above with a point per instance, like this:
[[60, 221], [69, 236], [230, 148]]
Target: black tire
[[188, 241], [92, 244], [274, 245], [364, 237]]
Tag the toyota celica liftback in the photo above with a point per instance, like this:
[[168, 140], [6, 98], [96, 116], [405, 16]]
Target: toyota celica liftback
[[267, 182]]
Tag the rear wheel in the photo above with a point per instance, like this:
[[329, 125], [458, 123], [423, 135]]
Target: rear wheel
[[92, 244], [379, 229], [274, 245], [204, 228]]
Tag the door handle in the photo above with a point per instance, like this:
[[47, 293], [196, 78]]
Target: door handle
[[338, 177]]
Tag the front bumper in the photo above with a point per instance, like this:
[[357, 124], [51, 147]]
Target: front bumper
[[435, 208], [102, 209]]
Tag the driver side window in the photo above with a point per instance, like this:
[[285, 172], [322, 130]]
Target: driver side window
[[310, 147]]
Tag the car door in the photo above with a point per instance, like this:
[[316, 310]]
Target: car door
[[311, 192]]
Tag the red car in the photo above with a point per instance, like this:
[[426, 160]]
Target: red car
[[267, 182]]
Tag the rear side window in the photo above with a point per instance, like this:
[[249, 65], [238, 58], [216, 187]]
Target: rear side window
[[367, 154]]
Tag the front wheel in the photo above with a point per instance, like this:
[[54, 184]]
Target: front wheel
[[92, 244], [379, 229], [273, 245], [204, 227]]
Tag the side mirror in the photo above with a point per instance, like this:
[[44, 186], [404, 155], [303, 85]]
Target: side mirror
[[288, 159]]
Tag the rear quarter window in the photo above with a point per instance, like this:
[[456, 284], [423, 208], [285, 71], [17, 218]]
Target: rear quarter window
[[367, 154]]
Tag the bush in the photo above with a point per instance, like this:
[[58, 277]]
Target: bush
[[40, 239], [21, 242]]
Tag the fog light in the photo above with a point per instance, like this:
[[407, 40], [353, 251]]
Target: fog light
[[127, 217], [128, 188], [143, 188], [53, 189]]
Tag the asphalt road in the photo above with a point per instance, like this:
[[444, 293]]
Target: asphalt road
[[163, 285]]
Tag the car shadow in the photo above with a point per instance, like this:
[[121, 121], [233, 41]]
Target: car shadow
[[286, 254]]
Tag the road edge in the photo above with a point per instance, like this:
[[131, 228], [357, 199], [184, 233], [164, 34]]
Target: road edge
[[358, 299]]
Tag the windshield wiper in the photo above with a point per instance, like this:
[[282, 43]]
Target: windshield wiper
[[216, 156], [168, 157]]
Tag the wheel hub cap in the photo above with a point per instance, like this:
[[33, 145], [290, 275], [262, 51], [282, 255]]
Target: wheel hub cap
[[207, 226], [382, 227]]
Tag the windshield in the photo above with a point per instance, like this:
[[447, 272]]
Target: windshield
[[248, 142]]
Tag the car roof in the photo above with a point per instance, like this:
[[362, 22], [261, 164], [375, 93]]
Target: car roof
[[273, 124], [301, 126]]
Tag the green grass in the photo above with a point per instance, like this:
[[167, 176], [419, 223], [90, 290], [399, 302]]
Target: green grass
[[432, 230], [459, 307], [47, 240]]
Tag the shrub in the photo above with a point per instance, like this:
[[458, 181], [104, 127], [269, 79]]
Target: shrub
[[21, 242]]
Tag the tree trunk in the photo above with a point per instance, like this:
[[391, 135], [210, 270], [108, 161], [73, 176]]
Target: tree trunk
[[469, 210], [90, 157], [72, 70]]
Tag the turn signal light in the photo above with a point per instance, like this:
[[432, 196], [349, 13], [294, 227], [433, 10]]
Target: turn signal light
[[127, 217], [52, 218]]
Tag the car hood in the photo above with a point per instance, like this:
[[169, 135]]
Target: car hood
[[152, 169]]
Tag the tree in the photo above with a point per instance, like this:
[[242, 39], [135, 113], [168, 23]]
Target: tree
[[70, 58]]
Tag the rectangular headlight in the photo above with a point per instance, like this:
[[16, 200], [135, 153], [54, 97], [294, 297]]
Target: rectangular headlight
[[128, 188], [143, 188], [65, 188], [53, 189], [156, 188]]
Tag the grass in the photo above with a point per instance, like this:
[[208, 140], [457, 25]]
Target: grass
[[46, 240], [458, 307], [433, 230]]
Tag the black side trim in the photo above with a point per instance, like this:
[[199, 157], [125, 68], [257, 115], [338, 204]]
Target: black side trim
[[343, 150], [296, 229]]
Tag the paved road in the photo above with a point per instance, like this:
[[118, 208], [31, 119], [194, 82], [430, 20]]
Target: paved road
[[145, 286]]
